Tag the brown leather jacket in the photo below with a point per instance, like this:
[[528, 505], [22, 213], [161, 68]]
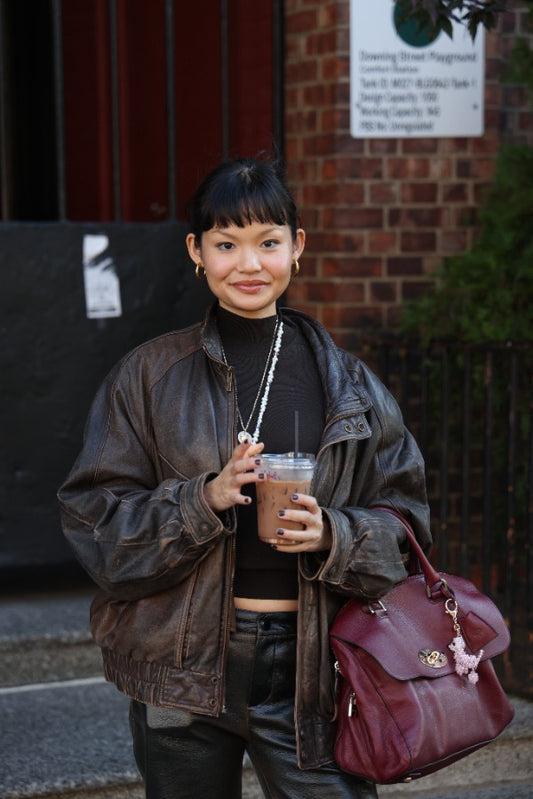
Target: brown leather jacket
[[134, 511]]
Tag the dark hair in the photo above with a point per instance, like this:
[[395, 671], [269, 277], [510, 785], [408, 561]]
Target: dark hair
[[240, 192]]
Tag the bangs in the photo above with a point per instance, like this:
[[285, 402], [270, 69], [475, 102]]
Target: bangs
[[239, 193], [243, 205]]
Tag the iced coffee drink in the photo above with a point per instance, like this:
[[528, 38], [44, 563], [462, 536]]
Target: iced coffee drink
[[285, 475]]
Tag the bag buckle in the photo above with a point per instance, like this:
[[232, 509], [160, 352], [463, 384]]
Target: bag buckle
[[433, 658]]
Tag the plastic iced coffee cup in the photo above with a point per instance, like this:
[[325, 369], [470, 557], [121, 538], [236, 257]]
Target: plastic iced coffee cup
[[285, 475]]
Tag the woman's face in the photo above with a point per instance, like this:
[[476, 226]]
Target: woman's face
[[248, 268]]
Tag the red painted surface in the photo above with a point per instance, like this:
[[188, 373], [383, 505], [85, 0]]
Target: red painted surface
[[142, 103]]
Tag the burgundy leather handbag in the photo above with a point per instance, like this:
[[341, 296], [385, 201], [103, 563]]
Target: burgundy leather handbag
[[416, 686]]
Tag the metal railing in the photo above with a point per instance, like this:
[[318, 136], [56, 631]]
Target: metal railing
[[471, 411]]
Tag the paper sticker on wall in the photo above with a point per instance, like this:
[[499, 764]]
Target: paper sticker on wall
[[102, 286]]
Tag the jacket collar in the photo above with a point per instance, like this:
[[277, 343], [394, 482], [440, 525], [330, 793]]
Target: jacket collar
[[210, 336]]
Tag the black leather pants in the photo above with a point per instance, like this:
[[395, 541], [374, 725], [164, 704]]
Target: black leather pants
[[183, 755]]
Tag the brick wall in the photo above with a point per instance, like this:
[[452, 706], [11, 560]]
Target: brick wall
[[380, 214]]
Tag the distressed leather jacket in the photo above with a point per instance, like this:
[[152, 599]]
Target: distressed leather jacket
[[134, 511]]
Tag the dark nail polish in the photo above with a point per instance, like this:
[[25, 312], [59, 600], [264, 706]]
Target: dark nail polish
[[281, 513], [261, 475], [294, 496], [280, 532], [257, 461]]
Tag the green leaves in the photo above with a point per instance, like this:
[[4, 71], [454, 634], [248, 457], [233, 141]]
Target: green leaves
[[439, 15], [486, 295]]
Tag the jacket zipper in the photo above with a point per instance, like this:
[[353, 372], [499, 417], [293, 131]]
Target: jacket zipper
[[229, 608], [229, 611], [229, 378]]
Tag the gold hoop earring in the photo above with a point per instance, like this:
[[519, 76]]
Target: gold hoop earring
[[296, 267], [199, 275]]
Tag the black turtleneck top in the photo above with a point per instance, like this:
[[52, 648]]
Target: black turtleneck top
[[262, 572]]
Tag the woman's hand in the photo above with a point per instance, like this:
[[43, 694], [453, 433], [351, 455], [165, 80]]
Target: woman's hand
[[225, 489], [316, 535]]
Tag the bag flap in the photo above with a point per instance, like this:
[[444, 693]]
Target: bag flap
[[409, 633]]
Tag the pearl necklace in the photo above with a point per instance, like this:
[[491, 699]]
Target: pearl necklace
[[266, 381]]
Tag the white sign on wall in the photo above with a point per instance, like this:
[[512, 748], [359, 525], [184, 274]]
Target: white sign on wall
[[403, 84]]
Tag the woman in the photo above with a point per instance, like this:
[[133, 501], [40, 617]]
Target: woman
[[221, 640]]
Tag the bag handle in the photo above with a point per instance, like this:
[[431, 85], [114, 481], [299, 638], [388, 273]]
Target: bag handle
[[434, 581], [465, 663]]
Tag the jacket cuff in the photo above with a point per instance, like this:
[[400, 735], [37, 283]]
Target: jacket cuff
[[201, 520], [340, 564], [316, 565]]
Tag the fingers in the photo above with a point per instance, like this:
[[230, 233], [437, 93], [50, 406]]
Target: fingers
[[244, 461], [225, 489], [245, 458], [310, 537], [248, 450]]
